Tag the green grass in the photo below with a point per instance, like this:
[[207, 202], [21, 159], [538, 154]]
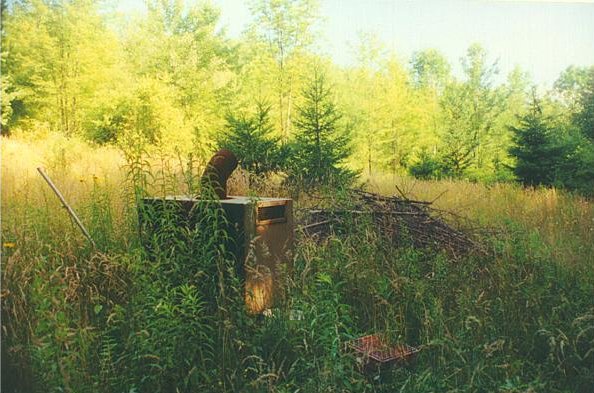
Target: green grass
[[115, 319]]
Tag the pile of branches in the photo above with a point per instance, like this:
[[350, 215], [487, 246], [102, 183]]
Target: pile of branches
[[401, 220]]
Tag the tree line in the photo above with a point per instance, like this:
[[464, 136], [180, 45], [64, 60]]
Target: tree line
[[173, 77]]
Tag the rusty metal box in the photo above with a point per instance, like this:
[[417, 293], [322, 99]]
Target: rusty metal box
[[261, 233]]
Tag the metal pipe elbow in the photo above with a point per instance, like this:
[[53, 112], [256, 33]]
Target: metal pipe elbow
[[218, 170]]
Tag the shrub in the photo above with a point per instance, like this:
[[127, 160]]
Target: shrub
[[426, 167], [249, 138]]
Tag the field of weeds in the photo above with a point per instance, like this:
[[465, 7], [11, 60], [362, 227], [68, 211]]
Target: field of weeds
[[110, 319]]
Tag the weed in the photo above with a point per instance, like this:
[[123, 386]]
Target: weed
[[161, 309]]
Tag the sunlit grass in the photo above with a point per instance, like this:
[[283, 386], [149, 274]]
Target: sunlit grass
[[513, 321], [81, 172], [563, 220]]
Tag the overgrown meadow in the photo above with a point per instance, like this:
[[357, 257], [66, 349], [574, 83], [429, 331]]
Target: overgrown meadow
[[119, 105], [115, 319]]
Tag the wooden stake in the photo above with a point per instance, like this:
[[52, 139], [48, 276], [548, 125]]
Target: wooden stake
[[66, 205]]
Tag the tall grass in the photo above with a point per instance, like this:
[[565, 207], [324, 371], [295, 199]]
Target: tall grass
[[564, 221], [121, 319]]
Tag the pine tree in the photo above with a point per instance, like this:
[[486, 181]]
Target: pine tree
[[321, 146], [538, 156], [249, 138]]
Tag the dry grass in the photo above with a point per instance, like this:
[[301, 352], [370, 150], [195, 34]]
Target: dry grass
[[60, 299], [564, 221], [81, 172]]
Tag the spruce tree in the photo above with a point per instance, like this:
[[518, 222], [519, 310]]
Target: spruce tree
[[249, 138], [538, 156], [321, 146]]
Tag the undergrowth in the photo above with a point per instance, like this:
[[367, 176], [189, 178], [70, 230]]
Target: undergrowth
[[161, 309]]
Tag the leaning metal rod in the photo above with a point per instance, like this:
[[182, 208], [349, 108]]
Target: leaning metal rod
[[66, 205]]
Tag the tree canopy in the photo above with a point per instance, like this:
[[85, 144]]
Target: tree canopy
[[172, 76]]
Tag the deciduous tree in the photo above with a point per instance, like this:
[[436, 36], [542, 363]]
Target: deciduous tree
[[286, 26]]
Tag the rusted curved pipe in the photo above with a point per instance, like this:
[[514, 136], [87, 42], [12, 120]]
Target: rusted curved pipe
[[218, 170]]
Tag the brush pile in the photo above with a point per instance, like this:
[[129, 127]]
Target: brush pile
[[397, 218]]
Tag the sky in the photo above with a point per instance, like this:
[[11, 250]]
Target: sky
[[541, 37]]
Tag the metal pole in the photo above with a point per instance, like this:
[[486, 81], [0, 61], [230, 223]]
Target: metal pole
[[65, 204]]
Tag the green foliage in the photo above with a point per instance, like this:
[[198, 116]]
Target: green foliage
[[165, 312], [170, 317], [430, 69], [147, 110], [251, 140], [538, 155], [546, 156], [470, 112], [426, 167], [585, 117], [178, 44], [320, 146], [282, 31], [8, 94], [173, 76], [60, 61], [576, 88], [111, 123]]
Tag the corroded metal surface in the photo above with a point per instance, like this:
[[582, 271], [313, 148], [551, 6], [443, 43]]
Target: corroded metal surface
[[374, 349], [218, 170]]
